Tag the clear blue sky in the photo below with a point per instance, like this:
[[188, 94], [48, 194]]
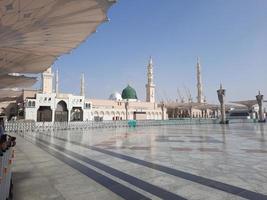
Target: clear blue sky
[[230, 36]]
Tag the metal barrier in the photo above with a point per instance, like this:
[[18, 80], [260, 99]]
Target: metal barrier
[[22, 126], [234, 121], [184, 121], [6, 157]]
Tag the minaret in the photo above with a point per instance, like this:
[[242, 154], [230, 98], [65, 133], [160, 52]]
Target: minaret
[[57, 79], [150, 87], [200, 97], [82, 89], [47, 81]]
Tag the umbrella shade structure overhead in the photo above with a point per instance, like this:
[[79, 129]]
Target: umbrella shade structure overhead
[[247, 103], [7, 99], [10, 93], [201, 106], [33, 33], [18, 81]]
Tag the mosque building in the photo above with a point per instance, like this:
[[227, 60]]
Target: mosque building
[[47, 105]]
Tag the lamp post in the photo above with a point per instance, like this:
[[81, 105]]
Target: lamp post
[[259, 99], [221, 97]]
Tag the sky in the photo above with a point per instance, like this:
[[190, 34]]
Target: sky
[[229, 36]]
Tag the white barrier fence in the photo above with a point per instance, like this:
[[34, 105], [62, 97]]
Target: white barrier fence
[[21, 126], [46, 126]]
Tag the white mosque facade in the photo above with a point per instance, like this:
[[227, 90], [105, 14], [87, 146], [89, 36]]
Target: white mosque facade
[[47, 105]]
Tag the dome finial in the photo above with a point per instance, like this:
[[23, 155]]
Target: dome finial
[[198, 60], [150, 60]]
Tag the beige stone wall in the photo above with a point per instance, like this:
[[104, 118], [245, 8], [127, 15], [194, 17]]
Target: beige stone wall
[[121, 104], [115, 110]]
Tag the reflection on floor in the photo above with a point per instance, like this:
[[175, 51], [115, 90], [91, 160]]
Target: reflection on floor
[[165, 162]]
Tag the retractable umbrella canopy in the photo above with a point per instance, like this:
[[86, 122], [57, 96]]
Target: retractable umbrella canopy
[[33, 33], [9, 94], [17, 81], [247, 103]]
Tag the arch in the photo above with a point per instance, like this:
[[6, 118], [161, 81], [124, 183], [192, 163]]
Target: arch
[[44, 114], [118, 113], [61, 112], [96, 114], [101, 114], [61, 106], [158, 116], [123, 115], [76, 114], [113, 113], [107, 113]]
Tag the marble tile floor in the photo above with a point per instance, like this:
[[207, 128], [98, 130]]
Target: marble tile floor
[[165, 162]]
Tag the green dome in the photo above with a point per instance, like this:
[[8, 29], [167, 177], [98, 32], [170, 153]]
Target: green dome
[[129, 93]]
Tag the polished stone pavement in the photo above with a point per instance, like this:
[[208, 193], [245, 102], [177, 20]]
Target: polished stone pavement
[[163, 162]]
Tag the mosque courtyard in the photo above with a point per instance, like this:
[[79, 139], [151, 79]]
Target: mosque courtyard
[[200, 162]]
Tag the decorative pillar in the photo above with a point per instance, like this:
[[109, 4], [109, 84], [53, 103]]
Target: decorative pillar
[[126, 109], [190, 112], [221, 97], [259, 98], [162, 105], [217, 110], [69, 114], [53, 115]]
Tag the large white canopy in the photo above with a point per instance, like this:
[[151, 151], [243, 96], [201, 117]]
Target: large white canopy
[[9, 94], [247, 103], [195, 105], [33, 33], [16, 81]]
